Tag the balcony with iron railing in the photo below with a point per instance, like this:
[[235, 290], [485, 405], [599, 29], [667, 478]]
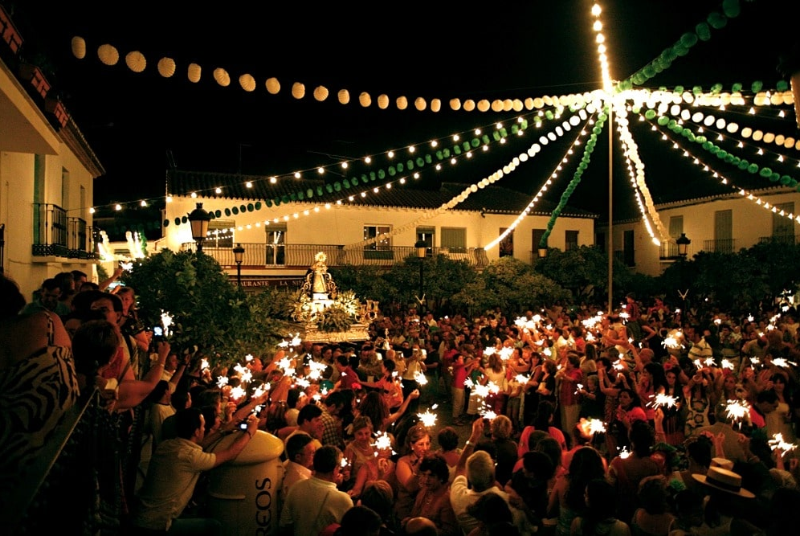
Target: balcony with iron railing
[[778, 239], [720, 245], [56, 235], [302, 255]]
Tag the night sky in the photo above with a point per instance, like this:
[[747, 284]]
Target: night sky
[[429, 49]]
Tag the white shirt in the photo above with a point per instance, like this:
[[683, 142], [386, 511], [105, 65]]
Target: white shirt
[[294, 474], [169, 485], [312, 505], [461, 498]]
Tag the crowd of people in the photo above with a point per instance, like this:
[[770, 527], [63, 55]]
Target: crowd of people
[[644, 419]]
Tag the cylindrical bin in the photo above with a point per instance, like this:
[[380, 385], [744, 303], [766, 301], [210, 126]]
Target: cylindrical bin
[[243, 493]]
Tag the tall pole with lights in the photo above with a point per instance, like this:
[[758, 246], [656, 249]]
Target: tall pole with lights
[[422, 250]]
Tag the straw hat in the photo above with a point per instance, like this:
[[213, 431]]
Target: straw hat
[[722, 463], [724, 480]]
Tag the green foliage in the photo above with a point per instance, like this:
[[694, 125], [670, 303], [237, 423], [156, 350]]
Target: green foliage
[[583, 271], [515, 287], [335, 318], [367, 282], [207, 309]]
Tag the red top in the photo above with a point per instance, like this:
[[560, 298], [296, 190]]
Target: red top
[[567, 392]]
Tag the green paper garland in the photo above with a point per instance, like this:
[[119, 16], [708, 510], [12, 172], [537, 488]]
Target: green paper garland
[[235, 211], [731, 8], [717, 20], [250, 207]]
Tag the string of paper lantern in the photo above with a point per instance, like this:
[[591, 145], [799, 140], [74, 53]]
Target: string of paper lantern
[[576, 177], [515, 162], [725, 156], [553, 176], [639, 202], [702, 32], [632, 152], [721, 123], [727, 182]]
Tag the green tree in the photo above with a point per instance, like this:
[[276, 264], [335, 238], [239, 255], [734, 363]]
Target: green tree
[[515, 287], [206, 308], [584, 272]]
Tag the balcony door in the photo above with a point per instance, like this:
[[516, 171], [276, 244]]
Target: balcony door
[[276, 245]]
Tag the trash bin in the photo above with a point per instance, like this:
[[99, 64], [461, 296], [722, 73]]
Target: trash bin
[[243, 494]]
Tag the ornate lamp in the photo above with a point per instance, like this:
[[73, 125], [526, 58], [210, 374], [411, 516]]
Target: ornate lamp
[[238, 255], [199, 219], [683, 245]]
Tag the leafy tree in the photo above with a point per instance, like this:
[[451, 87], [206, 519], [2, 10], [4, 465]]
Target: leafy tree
[[514, 286], [583, 271], [206, 308], [368, 282]]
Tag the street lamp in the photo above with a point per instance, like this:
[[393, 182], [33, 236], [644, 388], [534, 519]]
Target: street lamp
[[238, 255], [683, 245], [542, 252], [199, 219], [422, 250]]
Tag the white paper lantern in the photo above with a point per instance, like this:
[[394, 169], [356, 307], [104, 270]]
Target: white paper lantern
[[193, 73], [222, 77], [420, 104], [436, 105], [518, 106], [508, 105], [383, 101], [721, 122], [529, 103], [364, 99], [757, 135], [247, 82], [298, 90], [273, 86], [760, 99], [538, 102], [108, 54], [732, 127], [344, 96], [402, 103], [686, 115], [497, 105], [320, 93], [789, 142], [469, 105], [747, 132], [166, 67], [455, 104], [78, 47], [776, 99]]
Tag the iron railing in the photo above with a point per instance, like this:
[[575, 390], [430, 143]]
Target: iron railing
[[302, 255], [778, 239], [721, 245], [56, 235]]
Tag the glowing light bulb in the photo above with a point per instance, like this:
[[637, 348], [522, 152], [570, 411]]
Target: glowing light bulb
[[218, 190], [320, 170], [596, 10], [194, 195], [368, 160], [248, 184], [390, 154], [273, 180], [118, 207], [296, 174]]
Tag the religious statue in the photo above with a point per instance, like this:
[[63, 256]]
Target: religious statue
[[319, 284]]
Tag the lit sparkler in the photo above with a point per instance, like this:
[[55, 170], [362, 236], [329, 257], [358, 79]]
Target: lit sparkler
[[521, 378], [737, 410], [489, 414], [710, 362], [383, 441], [296, 340], [302, 382], [664, 401], [777, 443], [248, 357], [247, 376], [783, 362], [238, 392], [624, 453], [428, 418], [589, 427], [491, 350], [222, 381], [506, 352], [469, 383], [166, 321], [204, 364], [726, 364], [260, 390], [420, 378]]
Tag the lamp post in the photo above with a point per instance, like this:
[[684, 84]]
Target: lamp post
[[199, 219], [238, 255], [422, 250], [683, 245]]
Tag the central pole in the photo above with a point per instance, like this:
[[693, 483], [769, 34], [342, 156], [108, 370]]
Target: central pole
[[421, 286], [610, 209]]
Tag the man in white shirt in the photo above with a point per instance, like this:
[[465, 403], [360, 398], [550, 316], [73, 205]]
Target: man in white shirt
[[477, 469], [174, 470], [315, 503], [300, 449]]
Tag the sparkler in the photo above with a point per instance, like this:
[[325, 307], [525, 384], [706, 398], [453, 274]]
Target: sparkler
[[382, 441], [428, 418], [698, 364], [127, 266], [521, 378], [589, 427], [166, 321], [247, 376], [296, 340], [624, 453], [726, 364], [420, 378], [777, 443], [737, 410], [506, 352], [238, 392], [204, 364], [710, 362], [469, 383], [750, 318], [222, 381], [783, 362], [664, 401], [260, 390], [491, 350], [302, 382], [580, 386], [489, 414], [248, 357], [285, 364]]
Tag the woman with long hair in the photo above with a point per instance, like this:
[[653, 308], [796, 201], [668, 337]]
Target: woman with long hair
[[672, 423], [544, 422], [495, 372], [417, 445], [699, 401], [599, 518], [652, 382], [373, 405], [567, 498]]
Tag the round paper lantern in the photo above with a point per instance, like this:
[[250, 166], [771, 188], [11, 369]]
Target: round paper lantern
[[321, 93], [508, 105], [78, 47], [469, 105], [247, 82], [108, 54], [497, 105], [420, 104], [776, 99], [166, 67], [517, 105], [383, 101], [757, 135], [455, 104], [402, 103], [222, 77], [193, 73], [135, 61], [529, 103], [733, 127], [365, 99], [747, 132], [779, 139], [789, 142], [298, 90], [538, 102], [769, 137], [273, 86], [344, 96], [760, 99], [436, 105]]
